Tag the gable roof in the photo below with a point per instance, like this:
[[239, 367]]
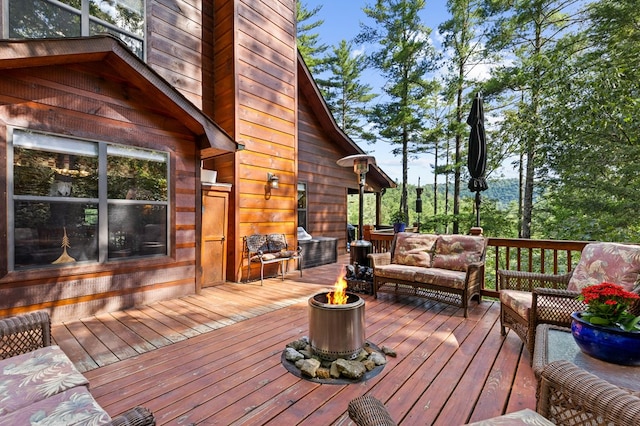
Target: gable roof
[[319, 106], [28, 53]]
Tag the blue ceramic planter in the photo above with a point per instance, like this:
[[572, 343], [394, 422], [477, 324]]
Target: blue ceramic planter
[[399, 227], [606, 343]]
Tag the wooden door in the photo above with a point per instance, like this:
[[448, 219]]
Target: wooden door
[[215, 209]]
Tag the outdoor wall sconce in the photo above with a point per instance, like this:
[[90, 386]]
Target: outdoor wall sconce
[[272, 180], [272, 183]]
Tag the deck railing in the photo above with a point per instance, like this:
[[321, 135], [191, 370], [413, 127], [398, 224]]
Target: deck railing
[[518, 254]]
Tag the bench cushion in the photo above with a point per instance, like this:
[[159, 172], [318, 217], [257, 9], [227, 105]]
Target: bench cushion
[[34, 376], [441, 277], [456, 252], [71, 407], [397, 272], [413, 249]]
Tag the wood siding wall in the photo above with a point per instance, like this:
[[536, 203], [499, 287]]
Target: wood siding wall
[[261, 58], [91, 101], [175, 45], [327, 182]]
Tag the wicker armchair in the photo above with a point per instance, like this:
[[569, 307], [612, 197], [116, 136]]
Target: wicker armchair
[[569, 395], [530, 299], [25, 333]]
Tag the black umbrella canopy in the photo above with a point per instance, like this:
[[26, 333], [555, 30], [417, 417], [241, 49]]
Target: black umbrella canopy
[[477, 156]]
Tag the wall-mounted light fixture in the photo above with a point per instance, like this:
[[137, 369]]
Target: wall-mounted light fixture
[[272, 180], [272, 183]]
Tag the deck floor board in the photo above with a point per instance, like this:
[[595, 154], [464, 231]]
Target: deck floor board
[[214, 358]]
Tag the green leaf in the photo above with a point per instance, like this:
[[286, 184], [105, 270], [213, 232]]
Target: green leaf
[[599, 320]]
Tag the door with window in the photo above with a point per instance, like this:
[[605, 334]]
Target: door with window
[[215, 209]]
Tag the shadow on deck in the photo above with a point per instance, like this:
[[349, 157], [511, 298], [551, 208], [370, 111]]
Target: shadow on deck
[[214, 358]]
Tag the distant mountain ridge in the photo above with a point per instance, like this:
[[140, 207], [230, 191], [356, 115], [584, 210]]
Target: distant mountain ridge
[[504, 191]]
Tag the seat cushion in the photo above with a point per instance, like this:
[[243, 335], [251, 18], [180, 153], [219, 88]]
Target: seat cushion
[[396, 272], [456, 252], [34, 376], [606, 262], [522, 417], [519, 301], [75, 406], [413, 249], [441, 277]]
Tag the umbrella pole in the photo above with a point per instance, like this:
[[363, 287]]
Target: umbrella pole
[[477, 208]]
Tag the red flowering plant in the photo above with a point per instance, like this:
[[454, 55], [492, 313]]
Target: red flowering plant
[[608, 305]]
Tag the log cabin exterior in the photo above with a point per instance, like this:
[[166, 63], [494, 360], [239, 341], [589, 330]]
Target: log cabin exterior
[[115, 130]]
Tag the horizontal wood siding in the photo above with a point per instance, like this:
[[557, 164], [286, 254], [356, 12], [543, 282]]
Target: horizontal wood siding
[[91, 101], [175, 45], [265, 123], [224, 87], [327, 182]]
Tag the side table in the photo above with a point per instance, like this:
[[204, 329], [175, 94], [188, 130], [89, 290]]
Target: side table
[[556, 343]]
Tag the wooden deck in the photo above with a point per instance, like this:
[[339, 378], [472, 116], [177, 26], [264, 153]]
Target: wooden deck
[[214, 358]]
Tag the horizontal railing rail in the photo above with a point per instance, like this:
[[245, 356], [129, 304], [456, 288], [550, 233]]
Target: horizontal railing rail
[[516, 254]]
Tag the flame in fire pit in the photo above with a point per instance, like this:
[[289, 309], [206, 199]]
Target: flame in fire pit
[[339, 294]]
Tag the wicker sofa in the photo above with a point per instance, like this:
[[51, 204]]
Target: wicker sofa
[[40, 385], [445, 268]]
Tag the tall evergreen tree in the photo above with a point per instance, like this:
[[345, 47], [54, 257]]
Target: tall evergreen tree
[[593, 137], [404, 55], [308, 40], [346, 95], [462, 38], [526, 31]]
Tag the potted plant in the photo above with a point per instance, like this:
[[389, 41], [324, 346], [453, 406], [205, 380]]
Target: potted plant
[[606, 329], [399, 221]]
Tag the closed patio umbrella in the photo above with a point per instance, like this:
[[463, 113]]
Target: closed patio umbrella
[[477, 156]]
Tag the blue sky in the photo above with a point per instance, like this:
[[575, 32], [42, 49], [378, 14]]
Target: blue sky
[[342, 20]]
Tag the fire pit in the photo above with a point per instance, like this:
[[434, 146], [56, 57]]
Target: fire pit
[[335, 350], [336, 330]]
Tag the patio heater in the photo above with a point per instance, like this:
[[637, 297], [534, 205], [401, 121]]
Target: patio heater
[[360, 163]]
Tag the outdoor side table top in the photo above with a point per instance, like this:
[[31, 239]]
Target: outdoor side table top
[[556, 343]]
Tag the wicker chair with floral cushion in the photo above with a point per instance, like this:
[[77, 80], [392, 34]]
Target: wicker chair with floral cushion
[[529, 299], [569, 395]]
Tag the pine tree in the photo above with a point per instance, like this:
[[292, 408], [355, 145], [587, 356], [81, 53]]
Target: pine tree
[[345, 94], [404, 56]]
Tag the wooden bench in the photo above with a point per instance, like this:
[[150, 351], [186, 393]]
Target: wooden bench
[[269, 249]]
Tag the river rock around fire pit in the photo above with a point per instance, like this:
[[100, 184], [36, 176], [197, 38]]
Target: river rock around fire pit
[[298, 359]]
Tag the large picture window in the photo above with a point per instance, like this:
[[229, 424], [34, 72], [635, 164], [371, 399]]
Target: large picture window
[[74, 18], [79, 201]]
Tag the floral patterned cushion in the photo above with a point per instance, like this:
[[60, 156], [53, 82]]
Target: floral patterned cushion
[[442, 277], [522, 417], [607, 262], [413, 249], [456, 252], [519, 301], [34, 376], [74, 406], [397, 272]]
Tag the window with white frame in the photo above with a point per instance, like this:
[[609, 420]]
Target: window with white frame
[[83, 201], [75, 18]]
